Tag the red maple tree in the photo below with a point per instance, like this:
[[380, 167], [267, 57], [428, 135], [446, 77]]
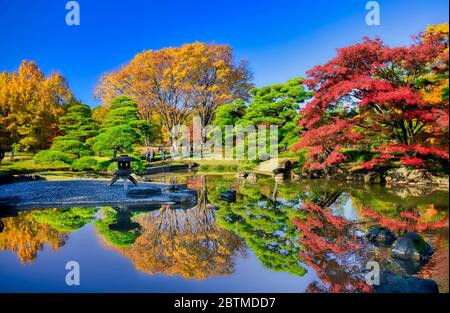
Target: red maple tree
[[373, 94]]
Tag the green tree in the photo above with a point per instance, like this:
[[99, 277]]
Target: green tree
[[278, 105], [78, 127], [270, 105], [121, 128], [230, 113]]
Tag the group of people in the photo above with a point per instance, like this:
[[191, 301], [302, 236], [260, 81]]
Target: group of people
[[2, 154], [150, 154]]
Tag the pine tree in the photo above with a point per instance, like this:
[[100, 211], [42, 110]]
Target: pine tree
[[121, 128], [78, 127]]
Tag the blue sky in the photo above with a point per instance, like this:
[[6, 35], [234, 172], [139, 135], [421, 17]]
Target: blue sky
[[280, 39]]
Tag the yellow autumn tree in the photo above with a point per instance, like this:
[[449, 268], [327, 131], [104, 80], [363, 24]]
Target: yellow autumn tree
[[436, 81], [174, 82], [30, 106]]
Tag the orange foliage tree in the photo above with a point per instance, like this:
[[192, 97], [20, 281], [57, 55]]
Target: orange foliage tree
[[174, 82], [30, 106]]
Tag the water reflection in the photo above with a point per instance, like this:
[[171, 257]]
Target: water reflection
[[292, 228], [28, 232]]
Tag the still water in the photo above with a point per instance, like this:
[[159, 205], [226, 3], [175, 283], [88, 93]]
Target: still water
[[288, 237]]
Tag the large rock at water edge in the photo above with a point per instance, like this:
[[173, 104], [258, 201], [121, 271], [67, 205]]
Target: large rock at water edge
[[228, 195], [412, 247], [141, 193], [404, 176], [380, 235], [394, 283]]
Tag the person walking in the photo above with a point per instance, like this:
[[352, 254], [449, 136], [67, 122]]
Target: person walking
[[11, 155], [164, 155], [152, 155], [147, 155]]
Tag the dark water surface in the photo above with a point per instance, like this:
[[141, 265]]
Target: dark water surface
[[289, 237]]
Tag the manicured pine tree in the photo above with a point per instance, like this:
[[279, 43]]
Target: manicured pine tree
[[121, 128], [78, 127]]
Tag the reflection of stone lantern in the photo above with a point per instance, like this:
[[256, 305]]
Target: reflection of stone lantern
[[123, 221], [124, 169]]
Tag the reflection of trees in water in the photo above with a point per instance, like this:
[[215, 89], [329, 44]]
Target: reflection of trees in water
[[264, 223], [418, 217], [286, 229], [28, 232], [183, 242], [330, 247]]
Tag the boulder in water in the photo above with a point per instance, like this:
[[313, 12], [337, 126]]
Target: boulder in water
[[394, 283], [380, 235], [412, 247], [140, 193], [228, 195]]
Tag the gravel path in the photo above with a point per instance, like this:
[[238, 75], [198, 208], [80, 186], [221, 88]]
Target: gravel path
[[44, 194]]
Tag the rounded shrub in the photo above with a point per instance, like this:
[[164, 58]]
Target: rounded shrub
[[102, 166], [71, 146], [84, 164], [50, 157]]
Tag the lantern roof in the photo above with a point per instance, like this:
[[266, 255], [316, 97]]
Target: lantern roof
[[124, 158]]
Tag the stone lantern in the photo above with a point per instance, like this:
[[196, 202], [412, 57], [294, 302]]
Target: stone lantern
[[124, 170]]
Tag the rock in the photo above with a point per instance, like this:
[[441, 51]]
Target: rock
[[242, 175], [183, 197], [228, 195], [278, 171], [279, 177], [174, 187], [252, 177], [139, 193], [404, 176], [372, 178], [412, 247], [296, 176], [443, 182], [192, 165], [381, 235], [393, 283]]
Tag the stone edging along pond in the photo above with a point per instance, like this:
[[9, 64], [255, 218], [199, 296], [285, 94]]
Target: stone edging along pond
[[400, 176], [45, 194]]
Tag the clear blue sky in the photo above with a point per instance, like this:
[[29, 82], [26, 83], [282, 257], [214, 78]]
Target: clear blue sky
[[280, 39]]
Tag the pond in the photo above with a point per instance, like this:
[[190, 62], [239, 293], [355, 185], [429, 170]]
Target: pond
[[277, 237]]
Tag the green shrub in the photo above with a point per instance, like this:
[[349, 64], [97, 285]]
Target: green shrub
[[138, 167], [112, 167], [204, 167], [84, 164], [50, 157], [102, 166], [220, 168], [71, 146], [247, 166]]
